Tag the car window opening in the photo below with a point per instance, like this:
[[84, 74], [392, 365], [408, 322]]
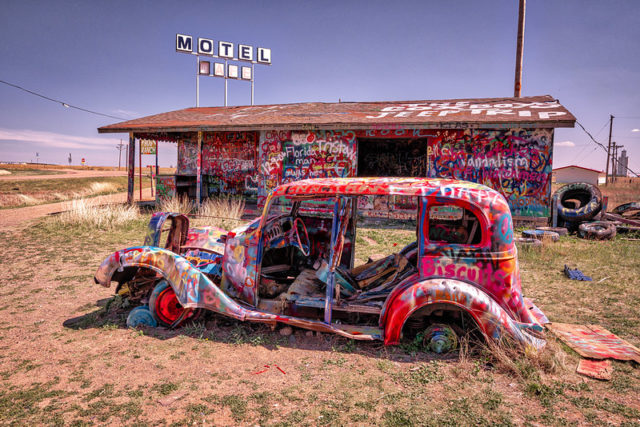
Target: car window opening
[[292, 283]]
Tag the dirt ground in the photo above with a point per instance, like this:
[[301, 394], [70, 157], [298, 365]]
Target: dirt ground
[[67, 358]]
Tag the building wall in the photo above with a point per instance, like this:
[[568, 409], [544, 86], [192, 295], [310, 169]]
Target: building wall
[[516, 162], [571, 174]]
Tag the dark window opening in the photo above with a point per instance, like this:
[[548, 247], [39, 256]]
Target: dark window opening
[[454, 224], [392, 157]]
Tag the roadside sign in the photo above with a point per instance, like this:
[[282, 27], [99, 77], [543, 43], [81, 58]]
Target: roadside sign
[[148, 146], [83, 161]]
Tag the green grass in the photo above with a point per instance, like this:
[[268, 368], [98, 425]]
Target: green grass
[[20, 193], [67, 184], [21, 172]]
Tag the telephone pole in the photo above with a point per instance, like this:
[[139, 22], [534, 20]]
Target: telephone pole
[[606, 181], [120, 147], [517, 87]]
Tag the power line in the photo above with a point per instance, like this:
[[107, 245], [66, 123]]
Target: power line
[[603, 147], [64, 104]]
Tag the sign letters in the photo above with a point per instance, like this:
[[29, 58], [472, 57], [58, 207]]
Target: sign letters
[[226, 50]]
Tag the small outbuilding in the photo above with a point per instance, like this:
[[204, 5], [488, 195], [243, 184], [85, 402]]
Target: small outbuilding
[[573, 173], [504, 143]]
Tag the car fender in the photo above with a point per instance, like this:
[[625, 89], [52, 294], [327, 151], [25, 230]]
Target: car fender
[[492, 319], [192, 287]]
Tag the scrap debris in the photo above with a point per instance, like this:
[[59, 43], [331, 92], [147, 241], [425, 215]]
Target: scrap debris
[[598, 369], [575, 274], [267, 367], [595, 342]]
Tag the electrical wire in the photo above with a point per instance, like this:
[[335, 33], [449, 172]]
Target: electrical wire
[[64, 104], [603, 147]]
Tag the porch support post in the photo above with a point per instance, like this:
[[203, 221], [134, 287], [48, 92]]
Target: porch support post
[[131, 167], [199, 169]]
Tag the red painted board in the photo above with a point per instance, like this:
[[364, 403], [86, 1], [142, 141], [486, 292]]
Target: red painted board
[[598, 369], [594, 342]]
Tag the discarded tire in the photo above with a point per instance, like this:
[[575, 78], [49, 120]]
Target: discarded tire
[[562, 231], [628, 210], [527, 242], [587, 195], [141, 316], [541, 235], [599, 230]]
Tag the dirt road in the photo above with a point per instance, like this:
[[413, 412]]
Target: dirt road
[[17, 218], [66, 173]]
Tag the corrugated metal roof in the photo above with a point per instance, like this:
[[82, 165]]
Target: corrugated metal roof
[[531, 112]]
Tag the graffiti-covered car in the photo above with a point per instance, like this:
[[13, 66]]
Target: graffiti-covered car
[[295, 265]]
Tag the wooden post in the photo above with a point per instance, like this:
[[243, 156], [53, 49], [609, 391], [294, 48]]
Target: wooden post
[[131, 158], [199, 169], [517, 89], [140, 170], [606, 181]]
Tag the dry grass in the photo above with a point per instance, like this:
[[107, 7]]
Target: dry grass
[[89, 213], [4, 172], [625, 190], [224, 212], [179, 204]]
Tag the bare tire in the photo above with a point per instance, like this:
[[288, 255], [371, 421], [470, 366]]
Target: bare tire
[[541, 235], [599, 230], [587, 195], [628, 210]]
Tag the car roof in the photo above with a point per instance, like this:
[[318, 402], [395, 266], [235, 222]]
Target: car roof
[[385, 186]]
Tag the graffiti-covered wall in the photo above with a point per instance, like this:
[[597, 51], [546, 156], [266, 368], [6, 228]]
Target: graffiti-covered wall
[[187, 155], [290, 156], [516, 162], [229, 163]]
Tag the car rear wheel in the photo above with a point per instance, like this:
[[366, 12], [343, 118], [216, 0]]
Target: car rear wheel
[[166, 308]]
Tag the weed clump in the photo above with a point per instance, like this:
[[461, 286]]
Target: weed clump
[[224, 211], [83, 212]]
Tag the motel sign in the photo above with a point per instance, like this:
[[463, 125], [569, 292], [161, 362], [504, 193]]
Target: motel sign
[[224, 51]]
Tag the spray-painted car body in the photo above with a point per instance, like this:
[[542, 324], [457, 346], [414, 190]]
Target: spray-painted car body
[[476, 275]]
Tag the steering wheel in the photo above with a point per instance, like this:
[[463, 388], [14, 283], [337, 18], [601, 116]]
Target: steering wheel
[[296, 229]]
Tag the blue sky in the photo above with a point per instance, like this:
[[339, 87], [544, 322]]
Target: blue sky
[[118, 57]]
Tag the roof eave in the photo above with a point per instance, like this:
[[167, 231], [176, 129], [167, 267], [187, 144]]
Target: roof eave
[[331, 126]]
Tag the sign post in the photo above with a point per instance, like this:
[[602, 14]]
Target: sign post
[[148, 146]]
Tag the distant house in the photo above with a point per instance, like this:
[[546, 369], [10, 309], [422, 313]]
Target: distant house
[[573, 173]]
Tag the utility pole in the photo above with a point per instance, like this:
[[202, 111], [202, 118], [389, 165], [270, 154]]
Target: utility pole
[[606, 181], [120, 147], [517, 88]]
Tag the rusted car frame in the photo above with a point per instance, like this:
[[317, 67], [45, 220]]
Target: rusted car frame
[[295, 265]]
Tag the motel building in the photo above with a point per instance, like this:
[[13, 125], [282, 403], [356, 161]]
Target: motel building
[[573, 173], [504, 143]]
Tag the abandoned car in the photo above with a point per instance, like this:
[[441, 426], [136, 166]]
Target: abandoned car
[[295, 265]]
